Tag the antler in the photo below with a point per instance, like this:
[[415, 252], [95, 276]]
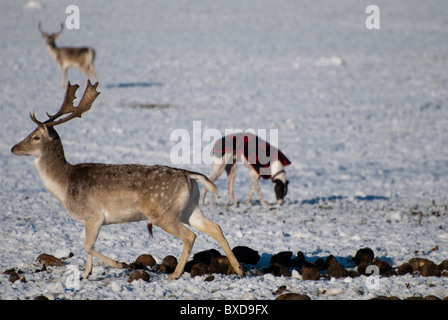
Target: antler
[[62, 29], [39, 27], [84, 105]]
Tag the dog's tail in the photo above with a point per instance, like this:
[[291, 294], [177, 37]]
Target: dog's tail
[[209, 185]]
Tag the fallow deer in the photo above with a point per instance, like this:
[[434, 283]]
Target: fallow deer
[[78, 57], [102, 194]]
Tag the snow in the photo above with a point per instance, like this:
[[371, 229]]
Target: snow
[[362, 115]]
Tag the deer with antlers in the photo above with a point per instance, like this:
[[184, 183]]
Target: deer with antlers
[[78, 57], [102, 194]]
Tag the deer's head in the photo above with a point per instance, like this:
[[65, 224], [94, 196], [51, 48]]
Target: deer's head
[[38, 140], [50, 38]]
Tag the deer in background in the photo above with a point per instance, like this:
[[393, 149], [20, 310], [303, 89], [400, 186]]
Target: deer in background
[[78, 57], [102, 194]]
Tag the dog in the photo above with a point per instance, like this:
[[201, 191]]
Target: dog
[[262, 160]]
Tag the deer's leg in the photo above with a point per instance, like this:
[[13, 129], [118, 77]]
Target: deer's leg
[[64, 75], [92, 71], [92, 231], [200, 222], [231, 174], [217, 170], [187, 237], [85, 70]]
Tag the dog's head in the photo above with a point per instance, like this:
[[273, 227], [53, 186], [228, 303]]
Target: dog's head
[[281, 189]]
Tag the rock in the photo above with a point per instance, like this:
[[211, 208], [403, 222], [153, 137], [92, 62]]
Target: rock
[[220, 265], [189, 265], [404, 269], [209, 278], [429, 269], [246, 255], [14, 276], [258, 272], [310, 272], [206, 256], [352, 273], [416, 263], [443, 265], [385, 298], [298, 260], [139, 275], [415, 298], [278, 270], [364, 255], [336, 270], [362, 267], [168, 265], [49, 260], [146, 260], [9, 271], [280, 290], [170, 262], [320, 264], [199, 269], [384, 267], [283, 258], [330, 259], [42, 297], [137, 266], [293, 296]]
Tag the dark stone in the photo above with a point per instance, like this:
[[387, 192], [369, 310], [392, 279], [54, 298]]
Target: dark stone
[[49, 260], [170, 261], [139, 275], [404, 269], [430, 270], [384, 267], [206, 256], [220, 265], [443, 265], [278, 270], [364, 255], [146, 260], [199, 269], [246, 255], [298, 260], [283, 258], [293, 296], [336, 270], [310, 272]]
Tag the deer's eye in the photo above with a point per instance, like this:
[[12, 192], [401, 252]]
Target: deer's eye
[[36, 138]]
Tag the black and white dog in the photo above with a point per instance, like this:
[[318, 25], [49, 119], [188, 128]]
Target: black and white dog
[[262, 160]]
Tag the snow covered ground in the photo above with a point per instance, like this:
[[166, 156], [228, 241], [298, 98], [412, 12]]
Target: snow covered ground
[[362, 114]]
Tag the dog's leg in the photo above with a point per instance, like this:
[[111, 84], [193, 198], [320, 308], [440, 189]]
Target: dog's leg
[[231, 174], [251, 192], [255, 186], [217, 170]]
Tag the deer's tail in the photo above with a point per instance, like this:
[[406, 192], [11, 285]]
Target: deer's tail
[[210, 186]]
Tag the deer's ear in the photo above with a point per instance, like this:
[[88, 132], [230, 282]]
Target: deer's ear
[[51, 133]]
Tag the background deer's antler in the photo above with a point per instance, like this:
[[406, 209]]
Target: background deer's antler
[[67, 107]]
